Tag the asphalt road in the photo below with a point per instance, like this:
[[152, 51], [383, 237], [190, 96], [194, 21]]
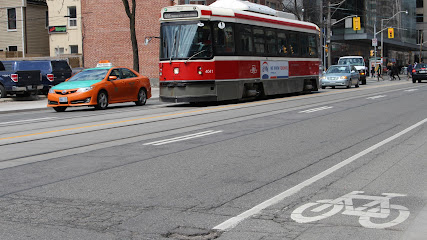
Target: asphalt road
[[336, 164]]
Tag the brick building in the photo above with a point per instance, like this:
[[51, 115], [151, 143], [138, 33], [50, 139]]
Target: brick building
[[106, 33]]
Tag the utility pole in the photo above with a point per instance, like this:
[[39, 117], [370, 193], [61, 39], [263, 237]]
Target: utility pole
[[421, 46], [328, 33], [322, 27]]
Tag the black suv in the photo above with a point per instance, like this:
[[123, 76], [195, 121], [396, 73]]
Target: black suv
[[52, 71]]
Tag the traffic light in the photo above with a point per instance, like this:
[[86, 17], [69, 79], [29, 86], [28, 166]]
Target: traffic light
[[391, 33], [372, 53], [356, 23], [326, 48]]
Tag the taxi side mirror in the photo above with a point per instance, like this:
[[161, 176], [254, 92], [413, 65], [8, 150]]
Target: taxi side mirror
[[112, 77]]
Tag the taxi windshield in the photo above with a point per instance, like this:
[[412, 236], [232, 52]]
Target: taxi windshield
[[186, 40], [90, 74]]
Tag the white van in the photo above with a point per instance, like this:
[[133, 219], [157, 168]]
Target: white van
[[358, 62]]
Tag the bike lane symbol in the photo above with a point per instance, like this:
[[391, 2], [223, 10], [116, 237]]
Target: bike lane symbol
[[378, 207]]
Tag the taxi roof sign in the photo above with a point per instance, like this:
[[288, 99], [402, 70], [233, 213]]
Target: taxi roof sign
[[104, 63]]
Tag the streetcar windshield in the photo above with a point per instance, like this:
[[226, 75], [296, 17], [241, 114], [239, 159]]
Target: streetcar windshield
[[186, 40]]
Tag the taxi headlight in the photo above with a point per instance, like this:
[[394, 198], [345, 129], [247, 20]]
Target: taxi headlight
[[85, 89], [51, 91], [343, 77]]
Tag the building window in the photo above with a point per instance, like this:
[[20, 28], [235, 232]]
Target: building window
[[74, 49], [72, 16], [13, 48], [11, 19], [59, 51], [47, 19], [420, 3], [420, 18]]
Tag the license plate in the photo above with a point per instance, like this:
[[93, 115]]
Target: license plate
[[423, 71], [29, 87], [63, 99]]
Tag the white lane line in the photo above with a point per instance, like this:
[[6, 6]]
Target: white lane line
[[28, 120], [375, 97], [234, 221], [182, 138], [411, 90], [315, 109]]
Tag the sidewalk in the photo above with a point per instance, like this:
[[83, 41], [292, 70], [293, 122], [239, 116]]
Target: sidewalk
[[39, 102]]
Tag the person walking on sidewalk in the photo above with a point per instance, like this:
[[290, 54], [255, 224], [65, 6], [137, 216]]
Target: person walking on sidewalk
[[395, 71], [409, 71], [379, 72]]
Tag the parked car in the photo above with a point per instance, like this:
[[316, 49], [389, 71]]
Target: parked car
[[358, 62], [53, 71], [419, 72], [16, 79], [340, 75], [99, 87]]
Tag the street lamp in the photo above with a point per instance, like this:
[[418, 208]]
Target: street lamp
[[382, 23]]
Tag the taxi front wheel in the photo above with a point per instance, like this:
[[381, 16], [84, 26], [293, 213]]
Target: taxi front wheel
[[102, 101], [142, 97]]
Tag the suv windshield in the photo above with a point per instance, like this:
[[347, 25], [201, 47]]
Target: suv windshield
[[351, 61], [184, 41], [90, 74]]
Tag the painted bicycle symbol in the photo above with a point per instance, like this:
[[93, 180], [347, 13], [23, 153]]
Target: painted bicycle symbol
[[370, 214]]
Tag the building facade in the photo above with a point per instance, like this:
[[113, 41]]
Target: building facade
[[375, 14], [23, 28], [65, 27], [421, 15]]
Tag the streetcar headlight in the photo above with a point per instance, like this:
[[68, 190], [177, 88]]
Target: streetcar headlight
[[176, 70], [199, 70]]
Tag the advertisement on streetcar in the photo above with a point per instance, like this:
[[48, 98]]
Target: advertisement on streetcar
[[274, 69]]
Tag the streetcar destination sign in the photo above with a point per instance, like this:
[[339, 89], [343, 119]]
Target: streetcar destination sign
[[185, 14]]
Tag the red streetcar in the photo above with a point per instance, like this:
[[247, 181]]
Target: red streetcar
[[235, 49]]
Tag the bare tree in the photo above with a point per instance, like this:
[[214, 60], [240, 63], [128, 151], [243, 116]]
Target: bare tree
[[293, 6], [131, 15]]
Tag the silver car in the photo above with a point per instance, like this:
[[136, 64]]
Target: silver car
[[340, 75]]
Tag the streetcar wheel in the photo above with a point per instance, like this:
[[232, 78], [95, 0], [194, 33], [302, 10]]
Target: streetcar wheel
[[333, 87], [60, 109], [2, 92], [102, 101], [142, 97], [323, 87]]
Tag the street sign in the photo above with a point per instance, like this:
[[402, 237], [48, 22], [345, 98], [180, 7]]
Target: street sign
[[374, 42]]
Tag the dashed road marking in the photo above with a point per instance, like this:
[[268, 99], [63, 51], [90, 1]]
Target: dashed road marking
[[316, 109], [182, 138], [376, 97]]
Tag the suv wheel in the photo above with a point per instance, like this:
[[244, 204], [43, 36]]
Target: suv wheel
[[2, 92]]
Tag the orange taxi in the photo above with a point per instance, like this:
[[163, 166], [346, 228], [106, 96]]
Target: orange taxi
[[99, 87]]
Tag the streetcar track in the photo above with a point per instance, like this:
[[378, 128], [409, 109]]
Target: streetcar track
[[134, 137], [243, 105]]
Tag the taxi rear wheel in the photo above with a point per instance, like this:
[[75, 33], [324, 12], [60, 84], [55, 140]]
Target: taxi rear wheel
[[102, 101], [142, 97], [60, 109]]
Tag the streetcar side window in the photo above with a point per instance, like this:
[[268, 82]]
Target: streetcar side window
[[304, 44], [224, 39], [282, 44], [259, 41], [244, 43], [312, 46], [271, 42], [293, 45]]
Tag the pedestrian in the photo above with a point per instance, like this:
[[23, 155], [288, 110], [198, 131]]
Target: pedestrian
[[379, 72], [389, 66], [395, 71], [409, 71], [372, 71]]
